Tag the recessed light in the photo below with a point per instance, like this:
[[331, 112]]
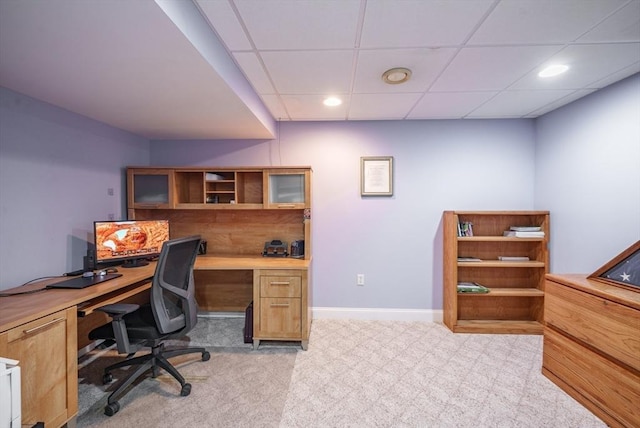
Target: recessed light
[[553, 70], [396, 75], [332, 101]]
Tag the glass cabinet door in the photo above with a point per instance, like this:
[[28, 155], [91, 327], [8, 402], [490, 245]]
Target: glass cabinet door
[[150, 189], [287, 189]]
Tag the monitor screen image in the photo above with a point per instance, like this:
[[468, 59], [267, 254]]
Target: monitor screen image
[[132, 242]]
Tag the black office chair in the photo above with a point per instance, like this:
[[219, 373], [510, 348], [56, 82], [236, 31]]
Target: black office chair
[[171, 312]]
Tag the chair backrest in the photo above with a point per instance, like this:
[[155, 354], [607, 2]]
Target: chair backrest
[[172, 292]]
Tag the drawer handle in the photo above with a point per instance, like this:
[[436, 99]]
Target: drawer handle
[[286, 206], [279, 305], [279, 283], [31, 330]]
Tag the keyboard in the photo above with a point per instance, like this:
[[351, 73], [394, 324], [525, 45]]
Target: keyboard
[[82, 282]]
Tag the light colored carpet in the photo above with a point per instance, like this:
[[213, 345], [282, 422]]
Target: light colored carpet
[[355, 374]]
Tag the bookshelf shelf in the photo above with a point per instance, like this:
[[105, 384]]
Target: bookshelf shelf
[[506, 327], [506, 292], [515, 300], [501, 264], [496, 239]]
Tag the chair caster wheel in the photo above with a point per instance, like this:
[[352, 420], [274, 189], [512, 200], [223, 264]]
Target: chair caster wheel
[[205, 356], [107, 378], [186, 389], [112, 409]]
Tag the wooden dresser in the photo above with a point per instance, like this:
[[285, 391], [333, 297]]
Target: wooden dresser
[[592, 346]]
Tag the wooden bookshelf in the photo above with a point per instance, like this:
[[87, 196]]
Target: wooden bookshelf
[[515, 300]]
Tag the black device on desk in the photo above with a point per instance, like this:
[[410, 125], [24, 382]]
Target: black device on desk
[[275, 248], [84, 281]]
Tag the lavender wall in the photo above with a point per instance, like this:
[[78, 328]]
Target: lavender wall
[[581, 162], [55, 169], [588, 175], [395, 241]]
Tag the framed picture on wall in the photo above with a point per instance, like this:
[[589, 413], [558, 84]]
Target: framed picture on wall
[[376, 176], [623, 270]]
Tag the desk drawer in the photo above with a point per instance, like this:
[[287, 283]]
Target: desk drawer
[[47, 325], [280, 286], [280, 317], [610, 327], [592, 379]]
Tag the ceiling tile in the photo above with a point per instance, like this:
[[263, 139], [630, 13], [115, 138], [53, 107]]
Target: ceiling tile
[[582, 69], [426, 64], [225, 22], [315, 72], [517, 103], [252, 68], [448, 105], [560, 102], [490, 68], [300, 24], [619, 27], [542, 21], [310, 107], [419, 23], [619, 75], [381, 106]]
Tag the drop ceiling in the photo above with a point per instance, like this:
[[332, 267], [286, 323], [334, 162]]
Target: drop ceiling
[[228, 69]]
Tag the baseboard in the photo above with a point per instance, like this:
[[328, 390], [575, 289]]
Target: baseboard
[[205, 314], [378, 314]]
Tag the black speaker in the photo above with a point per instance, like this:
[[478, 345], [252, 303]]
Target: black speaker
[[297, 249], [90, 260]]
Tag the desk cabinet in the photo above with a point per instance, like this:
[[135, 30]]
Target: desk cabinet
[[281, 306], [592, 346], [47, 351], [287, 189], [150, 188]]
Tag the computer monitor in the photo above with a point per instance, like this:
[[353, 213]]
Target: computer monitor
[[132, 243]]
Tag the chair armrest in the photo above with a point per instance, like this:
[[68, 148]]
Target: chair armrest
[[118, 309]]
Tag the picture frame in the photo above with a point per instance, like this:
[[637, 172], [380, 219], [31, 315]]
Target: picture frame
[[623, 270], [376, 175]]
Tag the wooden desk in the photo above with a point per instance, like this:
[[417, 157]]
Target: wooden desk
[[41, 330], [278, 287]]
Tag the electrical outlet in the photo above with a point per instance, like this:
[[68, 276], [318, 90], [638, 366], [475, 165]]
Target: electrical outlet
[[110, 191], [360, 279], [111, 216]]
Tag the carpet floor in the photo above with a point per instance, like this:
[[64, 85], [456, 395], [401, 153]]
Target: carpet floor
[[355, 374]]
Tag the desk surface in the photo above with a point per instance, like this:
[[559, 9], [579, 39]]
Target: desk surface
[[17, 310], [207, 262]]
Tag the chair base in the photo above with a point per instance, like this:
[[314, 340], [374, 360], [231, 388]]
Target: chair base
[[154, 361]]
